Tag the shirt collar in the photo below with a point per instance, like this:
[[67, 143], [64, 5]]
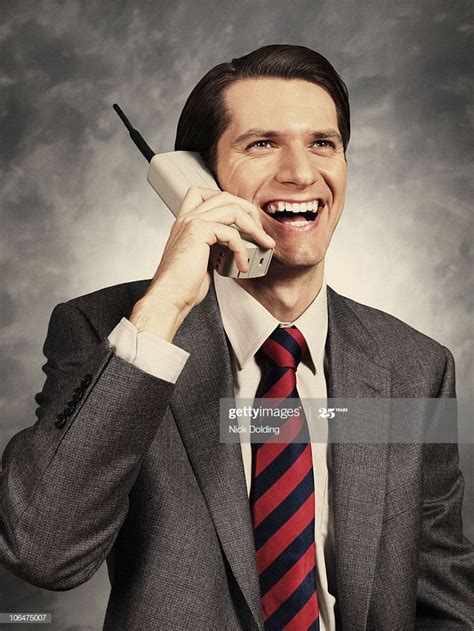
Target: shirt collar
[[248, 324]]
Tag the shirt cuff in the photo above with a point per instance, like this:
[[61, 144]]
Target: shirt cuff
[[147, 351]]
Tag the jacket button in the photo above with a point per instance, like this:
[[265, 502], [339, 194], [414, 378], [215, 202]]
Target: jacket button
[[60, 421], [86, 380], [69, 408], [77, 394]]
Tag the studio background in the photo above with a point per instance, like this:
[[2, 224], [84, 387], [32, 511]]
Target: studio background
[[78, 215]]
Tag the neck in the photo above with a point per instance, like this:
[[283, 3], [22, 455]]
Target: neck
[[285, 292]]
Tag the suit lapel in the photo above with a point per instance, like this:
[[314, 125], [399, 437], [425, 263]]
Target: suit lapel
[[206, 378], [358, 471]]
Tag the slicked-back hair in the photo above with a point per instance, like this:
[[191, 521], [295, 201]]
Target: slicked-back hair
[[204, 117]]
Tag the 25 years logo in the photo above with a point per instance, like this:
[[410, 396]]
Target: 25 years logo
[[327, 412]]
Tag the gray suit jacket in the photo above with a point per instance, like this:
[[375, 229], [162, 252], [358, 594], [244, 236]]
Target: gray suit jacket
[[136, 475]]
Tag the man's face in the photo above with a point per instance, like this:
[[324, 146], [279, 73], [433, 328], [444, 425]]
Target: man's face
[[281, 148]]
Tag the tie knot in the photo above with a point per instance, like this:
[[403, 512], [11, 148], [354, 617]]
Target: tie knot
[[285, 347]]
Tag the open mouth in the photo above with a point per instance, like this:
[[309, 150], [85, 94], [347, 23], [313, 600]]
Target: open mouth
[[293, 212], [286, 216]]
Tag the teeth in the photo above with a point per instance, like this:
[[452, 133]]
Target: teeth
[[295, 207]]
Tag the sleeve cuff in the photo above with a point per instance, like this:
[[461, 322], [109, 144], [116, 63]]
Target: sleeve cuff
[[147, 351]]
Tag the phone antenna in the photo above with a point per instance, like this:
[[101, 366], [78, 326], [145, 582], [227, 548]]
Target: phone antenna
[[135, 135]]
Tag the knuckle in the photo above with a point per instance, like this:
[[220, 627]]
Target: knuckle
[[239, 209], [234, 239], [195, 224]]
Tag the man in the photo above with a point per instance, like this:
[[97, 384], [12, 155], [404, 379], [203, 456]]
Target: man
[[125, 462]]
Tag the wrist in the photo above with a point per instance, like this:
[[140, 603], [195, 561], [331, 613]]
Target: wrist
[[158, 316]]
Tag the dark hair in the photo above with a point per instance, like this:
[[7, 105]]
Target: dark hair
[[204, 117]]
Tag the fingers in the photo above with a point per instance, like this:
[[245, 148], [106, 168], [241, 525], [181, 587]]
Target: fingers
[[230, 236], [234, 214], [195, 197], [199, 200], [212, 205], [230, 215], [225, 199]]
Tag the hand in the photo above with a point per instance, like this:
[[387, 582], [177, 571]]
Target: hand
[[182, 279]]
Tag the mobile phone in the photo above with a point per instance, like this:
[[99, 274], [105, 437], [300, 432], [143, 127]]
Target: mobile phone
[[171, 175]]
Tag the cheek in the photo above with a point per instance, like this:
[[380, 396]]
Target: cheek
[[243, 179], [336, 180]]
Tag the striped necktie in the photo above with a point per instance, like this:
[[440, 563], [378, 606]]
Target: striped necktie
[[282, 499]]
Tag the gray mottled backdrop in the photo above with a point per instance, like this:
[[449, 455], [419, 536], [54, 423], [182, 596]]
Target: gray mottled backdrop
[[78, 214]]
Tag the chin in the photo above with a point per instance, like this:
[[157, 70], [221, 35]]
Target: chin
[[295, 262], [298, 258]]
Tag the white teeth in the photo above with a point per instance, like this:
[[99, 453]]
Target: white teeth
[[295, 207]]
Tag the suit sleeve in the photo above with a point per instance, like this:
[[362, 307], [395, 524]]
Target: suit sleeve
[[446, 563], [65, 481]]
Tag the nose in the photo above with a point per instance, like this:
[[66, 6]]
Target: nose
[[296, 167]]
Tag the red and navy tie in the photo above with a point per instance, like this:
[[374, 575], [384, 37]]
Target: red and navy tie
[[282, 499]]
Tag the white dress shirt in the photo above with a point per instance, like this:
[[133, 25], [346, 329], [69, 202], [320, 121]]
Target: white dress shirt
[[247, 325]]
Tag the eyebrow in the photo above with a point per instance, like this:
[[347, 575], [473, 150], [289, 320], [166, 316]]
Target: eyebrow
[[251, 134]]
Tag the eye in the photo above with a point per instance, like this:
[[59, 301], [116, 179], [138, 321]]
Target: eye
[[260, 144], [324, 144]]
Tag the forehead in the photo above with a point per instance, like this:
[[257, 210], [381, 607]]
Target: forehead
[[280, 104]]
